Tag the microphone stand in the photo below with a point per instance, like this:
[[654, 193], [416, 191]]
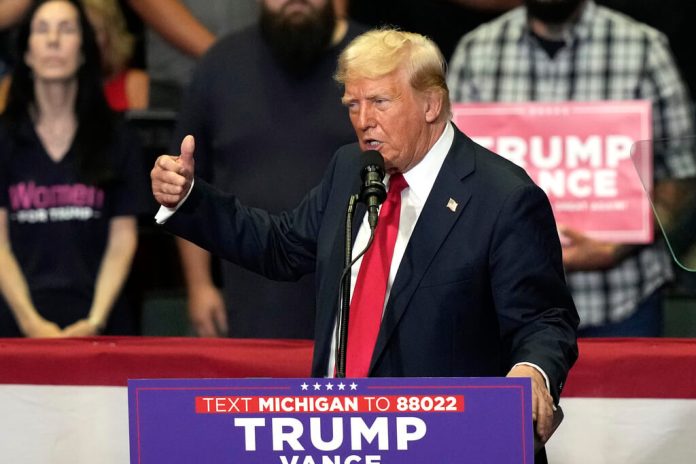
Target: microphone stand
[[344, 292], [372, 194], [344, 289]]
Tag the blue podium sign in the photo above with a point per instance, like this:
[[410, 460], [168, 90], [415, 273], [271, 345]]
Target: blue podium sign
[[331, 421]]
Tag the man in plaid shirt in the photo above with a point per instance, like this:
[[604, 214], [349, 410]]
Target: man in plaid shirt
[[559, 50]]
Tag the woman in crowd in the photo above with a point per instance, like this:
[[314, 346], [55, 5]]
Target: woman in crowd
[[126, 88], [71, 185]]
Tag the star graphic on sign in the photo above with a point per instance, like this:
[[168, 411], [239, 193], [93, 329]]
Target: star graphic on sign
[[353, 386], [304, 386], [341, 386], [329, 386], [317, 386]]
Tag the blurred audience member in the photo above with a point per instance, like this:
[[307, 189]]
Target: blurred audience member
[[557, 50], [251, 102], [4, 87], [71, 185], [445, 21], [179, 33], [341, 8], [126, 88], [678, 28], [11, 12]]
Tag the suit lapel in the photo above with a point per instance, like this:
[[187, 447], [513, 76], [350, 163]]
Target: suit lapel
[[432, 229]]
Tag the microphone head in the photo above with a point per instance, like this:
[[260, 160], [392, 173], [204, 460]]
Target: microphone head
[[373, 192], [371, 161]]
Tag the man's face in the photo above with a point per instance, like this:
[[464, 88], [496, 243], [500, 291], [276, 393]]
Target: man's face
[[297, 31], [389, 116], [552, 11]]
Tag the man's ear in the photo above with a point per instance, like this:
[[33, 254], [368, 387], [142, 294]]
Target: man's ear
[[433, 105]]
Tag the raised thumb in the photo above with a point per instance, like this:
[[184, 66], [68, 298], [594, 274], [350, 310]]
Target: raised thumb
[[188, 145]]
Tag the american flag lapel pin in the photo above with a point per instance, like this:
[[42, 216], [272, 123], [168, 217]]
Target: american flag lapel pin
[[452, 205]]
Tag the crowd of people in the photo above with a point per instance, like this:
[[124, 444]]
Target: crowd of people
[[253, 82]]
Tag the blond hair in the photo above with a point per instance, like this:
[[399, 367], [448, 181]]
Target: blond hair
[[121, 42], [380, 52]]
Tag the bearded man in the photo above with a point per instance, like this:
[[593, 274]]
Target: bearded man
[[560, 50], [265, 111]]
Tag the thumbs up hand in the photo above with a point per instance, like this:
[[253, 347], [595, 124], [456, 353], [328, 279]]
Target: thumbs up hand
[[172, 175]]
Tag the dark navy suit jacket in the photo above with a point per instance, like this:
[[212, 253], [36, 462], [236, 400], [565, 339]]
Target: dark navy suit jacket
[[479, 288]]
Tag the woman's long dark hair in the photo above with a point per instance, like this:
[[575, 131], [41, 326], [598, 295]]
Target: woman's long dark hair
[[94, 118]]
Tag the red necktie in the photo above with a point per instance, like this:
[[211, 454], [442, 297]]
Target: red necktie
[[367, 303]]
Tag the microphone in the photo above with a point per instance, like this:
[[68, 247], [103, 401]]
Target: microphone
[[372, 192]]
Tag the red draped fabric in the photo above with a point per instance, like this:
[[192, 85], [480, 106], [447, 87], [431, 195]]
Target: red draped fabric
[[114, 360], [607, 368]]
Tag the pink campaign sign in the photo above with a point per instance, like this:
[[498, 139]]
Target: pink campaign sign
[[580, 154]]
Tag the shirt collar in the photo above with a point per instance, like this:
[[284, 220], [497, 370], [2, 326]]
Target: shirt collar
[[421, 177]]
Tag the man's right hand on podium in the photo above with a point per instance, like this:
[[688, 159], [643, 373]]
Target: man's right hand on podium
[[542, 402]]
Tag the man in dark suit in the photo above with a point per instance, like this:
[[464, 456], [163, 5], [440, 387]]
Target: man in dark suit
[[475, 286]]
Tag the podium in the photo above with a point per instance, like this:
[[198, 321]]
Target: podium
[[331, 421]]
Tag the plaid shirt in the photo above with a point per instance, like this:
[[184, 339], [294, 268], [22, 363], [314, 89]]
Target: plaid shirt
[[606, 56]]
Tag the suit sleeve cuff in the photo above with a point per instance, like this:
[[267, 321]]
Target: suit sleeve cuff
[[540, 370], [165, 212]]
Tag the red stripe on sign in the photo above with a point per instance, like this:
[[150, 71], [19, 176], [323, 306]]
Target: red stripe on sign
[[606, 368]]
